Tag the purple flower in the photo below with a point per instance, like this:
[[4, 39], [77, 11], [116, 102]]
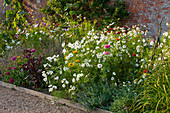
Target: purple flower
[[11, 80], [33, 50], [13, 58], [9, 68], [7, 73], [106, 53], [107, 46], [14, 68]]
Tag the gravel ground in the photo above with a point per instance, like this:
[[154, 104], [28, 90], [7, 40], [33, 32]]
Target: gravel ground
[[12, 101]]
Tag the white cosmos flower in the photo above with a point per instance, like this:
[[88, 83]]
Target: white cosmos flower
[[49, 59], [64, 51], [54, 87], [50, 72], [99, 55], [44, 75], [63, 85], [73, 80], [73, 88], [66, 62], [63, 44], [50, 85], [70, 55], [45, 79], [55, 60], [99, 66], [124, 46], [112, 78], [74, 74], [51, 89], [56, 78], [114, 73], [83, 65], [67, 82], [165, 33]]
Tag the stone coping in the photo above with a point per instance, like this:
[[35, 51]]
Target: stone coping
[[42, 95]]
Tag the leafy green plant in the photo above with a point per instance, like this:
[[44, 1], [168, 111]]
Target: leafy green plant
[[13, 21], [156, 86]]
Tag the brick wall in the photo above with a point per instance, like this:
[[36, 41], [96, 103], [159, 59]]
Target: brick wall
[[32, 7], [144, 12]]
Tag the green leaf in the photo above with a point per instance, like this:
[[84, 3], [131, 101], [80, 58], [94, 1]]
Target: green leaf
[[8, 2]]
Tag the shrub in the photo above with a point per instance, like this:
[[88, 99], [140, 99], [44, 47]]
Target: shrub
[[61, 10]]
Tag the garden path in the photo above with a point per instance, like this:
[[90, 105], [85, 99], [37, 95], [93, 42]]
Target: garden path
[[13, 101]]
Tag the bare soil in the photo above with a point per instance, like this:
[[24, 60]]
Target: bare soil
[[13, 101]]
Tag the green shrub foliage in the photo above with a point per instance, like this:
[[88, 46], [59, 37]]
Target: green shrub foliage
[[99, 10]]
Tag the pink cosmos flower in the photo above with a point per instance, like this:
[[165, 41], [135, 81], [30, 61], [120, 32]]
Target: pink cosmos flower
[[106, 53], [14, 68], [11, 80], [7, 73], [9, 68], [33, 50], [107, 46]]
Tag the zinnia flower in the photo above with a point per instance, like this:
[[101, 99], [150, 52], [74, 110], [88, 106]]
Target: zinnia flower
[[106, 53], [133, 54], [9, 68], [144, 71], [117, 39], [77, 60], [11, 80], [107, 46], [7, 73], [13, 58], [110, 29], [119, 32], [70, 65], [75, 52]]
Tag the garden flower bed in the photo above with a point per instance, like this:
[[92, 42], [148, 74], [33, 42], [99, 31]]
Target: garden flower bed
[[102, 66], [115, 68]]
